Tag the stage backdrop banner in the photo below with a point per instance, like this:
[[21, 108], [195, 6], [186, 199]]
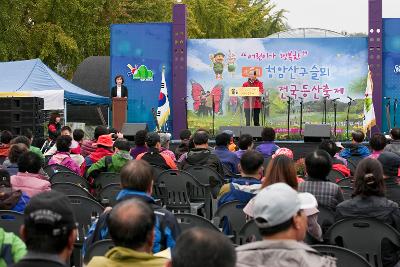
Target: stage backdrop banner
[[308, 68], [138, 53], [391, 70]]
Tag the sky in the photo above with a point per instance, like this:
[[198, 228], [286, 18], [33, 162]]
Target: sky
[[350, 16]]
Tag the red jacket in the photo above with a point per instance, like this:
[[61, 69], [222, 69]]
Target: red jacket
[[256, 100]]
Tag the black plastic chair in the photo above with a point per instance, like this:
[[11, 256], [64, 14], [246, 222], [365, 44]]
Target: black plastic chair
[[352, 163], [345, 257], [106, 178], [69, 177], [187, 221], [86, 211], [108, 195], [363, 236], [185, 193], [207, 176], [392, 192], [11, 221], [54, 168], [229, 173], [157, 170], [98, 248], [249, 233], [71, 189], [231, 215], [334, 176], [326, 217]]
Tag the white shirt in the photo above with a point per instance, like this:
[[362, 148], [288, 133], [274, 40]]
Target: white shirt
[[118, 91]]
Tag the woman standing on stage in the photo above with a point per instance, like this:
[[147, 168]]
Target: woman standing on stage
[[255, 106], [54, 127], [119, 90]]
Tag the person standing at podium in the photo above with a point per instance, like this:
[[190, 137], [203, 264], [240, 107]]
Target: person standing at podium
[[255, 105], [119, 90]]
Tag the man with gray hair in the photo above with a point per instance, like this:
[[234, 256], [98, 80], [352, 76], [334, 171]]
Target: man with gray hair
[[165, 139]]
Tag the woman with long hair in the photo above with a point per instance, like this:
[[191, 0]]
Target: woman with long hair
[[369, 201], [54, 127], [281, 169]]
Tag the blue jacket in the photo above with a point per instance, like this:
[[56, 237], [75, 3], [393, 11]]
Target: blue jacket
[[235, 193], [267, 148], [227, 157], [355, 150], [166, 230]]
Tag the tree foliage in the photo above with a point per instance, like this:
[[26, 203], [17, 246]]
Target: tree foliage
[[64, 32]]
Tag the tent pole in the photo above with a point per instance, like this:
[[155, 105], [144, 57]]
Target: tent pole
[[65, 112], [108, 116]]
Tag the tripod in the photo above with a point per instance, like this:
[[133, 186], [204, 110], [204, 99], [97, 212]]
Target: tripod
[[301, 116], [387, 107], [324, 111], [334, 115], [288, 116], [347, 117]]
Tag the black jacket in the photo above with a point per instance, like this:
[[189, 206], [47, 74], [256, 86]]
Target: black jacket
[[124, 91], [204, 157]]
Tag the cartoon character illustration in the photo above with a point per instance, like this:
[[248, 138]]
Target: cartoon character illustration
[[231, 63], [203, 101], [197, 92], [218, 64], [140, 73], [218, 94]]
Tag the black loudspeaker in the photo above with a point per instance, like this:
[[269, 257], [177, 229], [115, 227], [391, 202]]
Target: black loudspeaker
[[316, 132], [18, 114], [254, 131], [129, 129]]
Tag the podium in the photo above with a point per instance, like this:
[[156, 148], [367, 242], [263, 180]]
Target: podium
[[243, 93], [118, 112]]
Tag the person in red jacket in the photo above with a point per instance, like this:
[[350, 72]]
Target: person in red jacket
[[255, 106]]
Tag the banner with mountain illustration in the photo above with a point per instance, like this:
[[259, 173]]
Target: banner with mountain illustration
[[308, 69]]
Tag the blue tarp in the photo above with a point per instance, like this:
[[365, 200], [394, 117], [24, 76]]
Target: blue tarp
[[34, 75]]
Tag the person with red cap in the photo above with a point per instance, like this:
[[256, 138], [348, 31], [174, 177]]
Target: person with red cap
[[104, 148]]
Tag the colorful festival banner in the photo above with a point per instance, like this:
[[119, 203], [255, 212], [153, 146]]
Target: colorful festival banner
[[308, 69]]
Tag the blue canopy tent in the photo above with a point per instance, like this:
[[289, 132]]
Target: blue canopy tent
[[32, 78]]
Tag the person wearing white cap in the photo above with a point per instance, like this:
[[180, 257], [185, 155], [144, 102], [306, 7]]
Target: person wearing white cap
[[280, 217]]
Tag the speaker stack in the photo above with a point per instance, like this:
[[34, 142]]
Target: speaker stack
[[18, 114]]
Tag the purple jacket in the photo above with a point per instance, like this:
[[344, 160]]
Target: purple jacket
[[138, 150], [267, 148], [63, 158]]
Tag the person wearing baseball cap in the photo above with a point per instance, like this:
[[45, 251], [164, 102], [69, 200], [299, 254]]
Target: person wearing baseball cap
[[279, 215], [49, 230]]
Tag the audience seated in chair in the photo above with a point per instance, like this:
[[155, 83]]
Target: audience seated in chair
[[369, 201], [222, 152], [137, 182], [394, 145], [318, 166], [243, 189], [12, 248], [356, 149], [245, 143], [268, 146], [10, 199], [183, 146], [28, 134], [11, 163], [377, 142], [391, 163], [231, 146], [165, 139], [132, 229], [281, 169], [62, 156], [154, 156], [28, 179], [5, 139], [49, 231], [140, 143], [112, 163], [65, 131], [104, 147], [332, 149], [201, 154], [89, 146], [200, 247], [279, 214]]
